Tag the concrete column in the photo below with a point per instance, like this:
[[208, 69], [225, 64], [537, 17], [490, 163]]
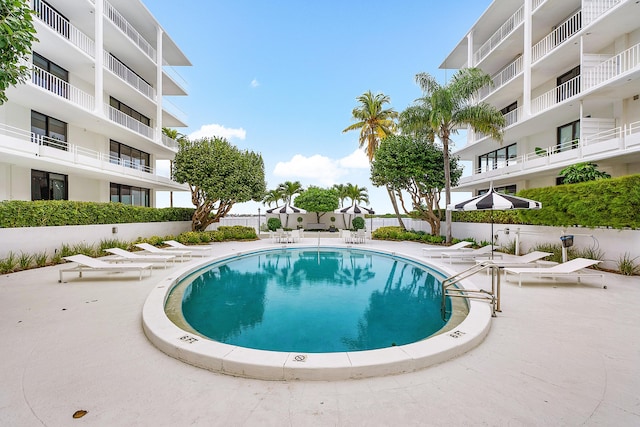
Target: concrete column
[[470, 49], [99, 64], [526, 61], [159, 56]]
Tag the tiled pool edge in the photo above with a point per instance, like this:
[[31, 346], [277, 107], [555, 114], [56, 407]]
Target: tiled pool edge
[[270, 365]]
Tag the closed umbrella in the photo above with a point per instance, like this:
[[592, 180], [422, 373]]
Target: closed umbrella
[[353, 210], [286, 209], [494, 201]]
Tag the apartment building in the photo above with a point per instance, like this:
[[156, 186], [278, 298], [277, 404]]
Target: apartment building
[[87, 125], [566, 76]]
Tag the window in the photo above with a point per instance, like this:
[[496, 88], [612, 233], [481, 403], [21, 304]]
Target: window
[[54, 78], [128, 195], [510, 118], [48, 131], [498, 158], [506, 189], [129, 111], [128, 156], [48, 186], [565, 87], [568, 136]]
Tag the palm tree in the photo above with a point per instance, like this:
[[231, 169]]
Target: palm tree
[[341, 190], [443, 109], [357, 194], [375, 123], [289, 189], [271, 196]]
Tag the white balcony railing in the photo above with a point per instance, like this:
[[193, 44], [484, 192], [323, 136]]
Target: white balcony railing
[[513, 117], [120, 22], [128, 122], [612, 67], [593, 9], [502, 77], [56, 85], [558, 36], [131, 78], [62, 26], [174, 110], [536, 4], [560, 93], [500, 34], [169, 142], [76, 154]]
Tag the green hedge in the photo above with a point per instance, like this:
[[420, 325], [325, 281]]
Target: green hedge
[[43, 213], [604, 203]]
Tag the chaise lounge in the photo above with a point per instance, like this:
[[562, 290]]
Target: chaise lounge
[[170, 251], [437, 250], [88, 264], [472, 255], [525, 260], [194, 248], [569, 269], [126, 256]]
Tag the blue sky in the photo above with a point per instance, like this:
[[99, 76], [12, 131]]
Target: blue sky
[[281, 77]]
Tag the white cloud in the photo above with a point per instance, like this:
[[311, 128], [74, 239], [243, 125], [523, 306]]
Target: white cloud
[[254, 83], [215, 129], [356, 160], [320, 170]]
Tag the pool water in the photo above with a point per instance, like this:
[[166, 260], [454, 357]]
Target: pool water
[[314, 300]]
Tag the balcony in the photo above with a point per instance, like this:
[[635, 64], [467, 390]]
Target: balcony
[[131, 78], [169, 142], [61, 88], [593, 9], [500, 79], [555, 96], [558, 36], [62, 26], [502, 33], [612, 68], [119, 21], [129, 122], [590, 147]]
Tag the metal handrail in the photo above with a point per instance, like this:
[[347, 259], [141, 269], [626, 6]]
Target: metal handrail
[[493, 296]]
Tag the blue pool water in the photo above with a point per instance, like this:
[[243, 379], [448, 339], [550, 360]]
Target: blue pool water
[[314, 300]]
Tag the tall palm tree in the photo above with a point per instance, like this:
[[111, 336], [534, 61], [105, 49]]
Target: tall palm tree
[[289, 189], [443, 109], [357, 194], [341, 190], [375, 123]]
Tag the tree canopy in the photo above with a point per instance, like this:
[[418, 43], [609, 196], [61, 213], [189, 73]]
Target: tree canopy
[[417, 167], [219, 175], [582, 172], [318, 200], [17, 34]]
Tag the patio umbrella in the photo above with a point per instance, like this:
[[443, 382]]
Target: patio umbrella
[[494, 201], [286, 209], [353, 210]]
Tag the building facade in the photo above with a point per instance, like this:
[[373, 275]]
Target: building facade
[[566, 76], [87, 125]]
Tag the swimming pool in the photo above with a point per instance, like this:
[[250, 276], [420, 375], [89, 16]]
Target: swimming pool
[[317, 300], [179, 340]]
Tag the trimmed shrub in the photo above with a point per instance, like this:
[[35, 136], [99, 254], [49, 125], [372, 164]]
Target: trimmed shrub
[[357, 222], [274, 223]]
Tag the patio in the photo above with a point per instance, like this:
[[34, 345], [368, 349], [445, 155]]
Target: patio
[[556, 355]]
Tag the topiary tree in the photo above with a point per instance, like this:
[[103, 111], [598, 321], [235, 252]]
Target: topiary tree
[[17, 34], [582, 172], [358, 223], [219, 175], [318, 200]]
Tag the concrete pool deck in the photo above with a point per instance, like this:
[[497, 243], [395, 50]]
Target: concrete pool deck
[[557, 354]]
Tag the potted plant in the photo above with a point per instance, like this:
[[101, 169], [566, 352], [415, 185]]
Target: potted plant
[[299, 222], [332, 227]]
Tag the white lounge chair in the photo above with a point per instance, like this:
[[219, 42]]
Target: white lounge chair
[[126, 256], [569, 269], [170, 251], [520, 261], [196, 249], [88, 264], [437, 250], [472, 255]]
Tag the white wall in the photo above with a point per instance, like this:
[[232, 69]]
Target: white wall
[[32, 240]]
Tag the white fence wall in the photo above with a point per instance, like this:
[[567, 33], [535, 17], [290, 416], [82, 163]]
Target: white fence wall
[[32, 240]]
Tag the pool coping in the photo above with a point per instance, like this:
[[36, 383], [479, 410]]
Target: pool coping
[[271, 365]]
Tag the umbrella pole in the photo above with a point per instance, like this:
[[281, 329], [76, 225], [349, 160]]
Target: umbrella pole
[[492, 234]]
